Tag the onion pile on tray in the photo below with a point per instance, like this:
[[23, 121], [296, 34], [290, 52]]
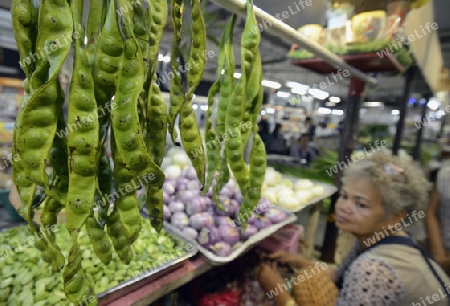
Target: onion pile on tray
[[200, 219]]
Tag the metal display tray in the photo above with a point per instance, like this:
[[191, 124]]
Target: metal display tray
[[106, 297], [261, 235], [131, 285], [329, 191]]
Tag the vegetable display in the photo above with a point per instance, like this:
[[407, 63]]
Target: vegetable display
[[114, 140], [219, 227], [25, 281], [288, 194]]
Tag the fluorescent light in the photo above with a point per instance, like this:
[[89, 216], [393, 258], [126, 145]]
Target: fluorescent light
[[318, 94], [291, 84], [270, 110], [395, 112], [194, 106], [271, 84], [373, 104], [297, 88], [337, 112], [324, 111], [330, 104], [237, 75], [283, 94], [433, 104], [8, 70], [335, 99], [299, 91], [204, 107], [263, 112]]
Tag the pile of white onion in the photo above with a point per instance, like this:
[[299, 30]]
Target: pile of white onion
[[289, 194]]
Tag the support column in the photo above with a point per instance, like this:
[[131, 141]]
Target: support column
[[346, 145], [409, 76], [417, 147]]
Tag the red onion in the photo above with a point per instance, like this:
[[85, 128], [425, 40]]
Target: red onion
[[193, 185], [229, 234], [166, 212], [195, 206], [221, 249], [169, 186], [262, 222], [249, 231], [181, 184], [224, 220], [263, 206], [239, 197], [190, 233], [234, 208], [176, 206], [275, 215], [208, 236], [180, 220], [229, 209], [166, 197], [201, 220], [186, 195]]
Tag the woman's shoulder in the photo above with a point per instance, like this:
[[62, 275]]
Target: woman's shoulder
[[371, 280]]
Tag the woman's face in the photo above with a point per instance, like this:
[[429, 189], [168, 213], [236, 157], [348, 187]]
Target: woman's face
[[359, 209]]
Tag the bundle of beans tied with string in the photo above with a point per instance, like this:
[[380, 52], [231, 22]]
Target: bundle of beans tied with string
[[115, 51]]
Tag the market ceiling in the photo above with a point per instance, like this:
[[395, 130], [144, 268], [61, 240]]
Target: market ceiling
[[277, 67]]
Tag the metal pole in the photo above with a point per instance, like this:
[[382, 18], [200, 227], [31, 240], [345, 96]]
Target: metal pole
[[269, 23], [409, 76], [346, 145], [417, 147]]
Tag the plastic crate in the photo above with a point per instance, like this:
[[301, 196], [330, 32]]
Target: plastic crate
[[286, 239], [4, 199]]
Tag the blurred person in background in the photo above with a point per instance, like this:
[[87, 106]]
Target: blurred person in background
[[277, 140], [310, 128], [303, 151], [437, 219], [264, 133]]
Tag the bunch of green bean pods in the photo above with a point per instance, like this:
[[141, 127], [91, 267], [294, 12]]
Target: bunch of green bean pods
[[113, 140], [213, 149], [239, 105]]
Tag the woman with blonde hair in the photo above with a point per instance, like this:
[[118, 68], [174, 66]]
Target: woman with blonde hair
[[381, 196]]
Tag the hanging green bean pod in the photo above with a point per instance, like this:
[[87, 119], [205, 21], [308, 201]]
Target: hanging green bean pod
[[226, 90], [176, 89]]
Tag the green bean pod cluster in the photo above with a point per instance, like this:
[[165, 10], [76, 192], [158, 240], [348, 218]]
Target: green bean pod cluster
[[114, 140]]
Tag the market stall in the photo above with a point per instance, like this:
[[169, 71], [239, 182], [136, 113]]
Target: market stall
[[114, 217]]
